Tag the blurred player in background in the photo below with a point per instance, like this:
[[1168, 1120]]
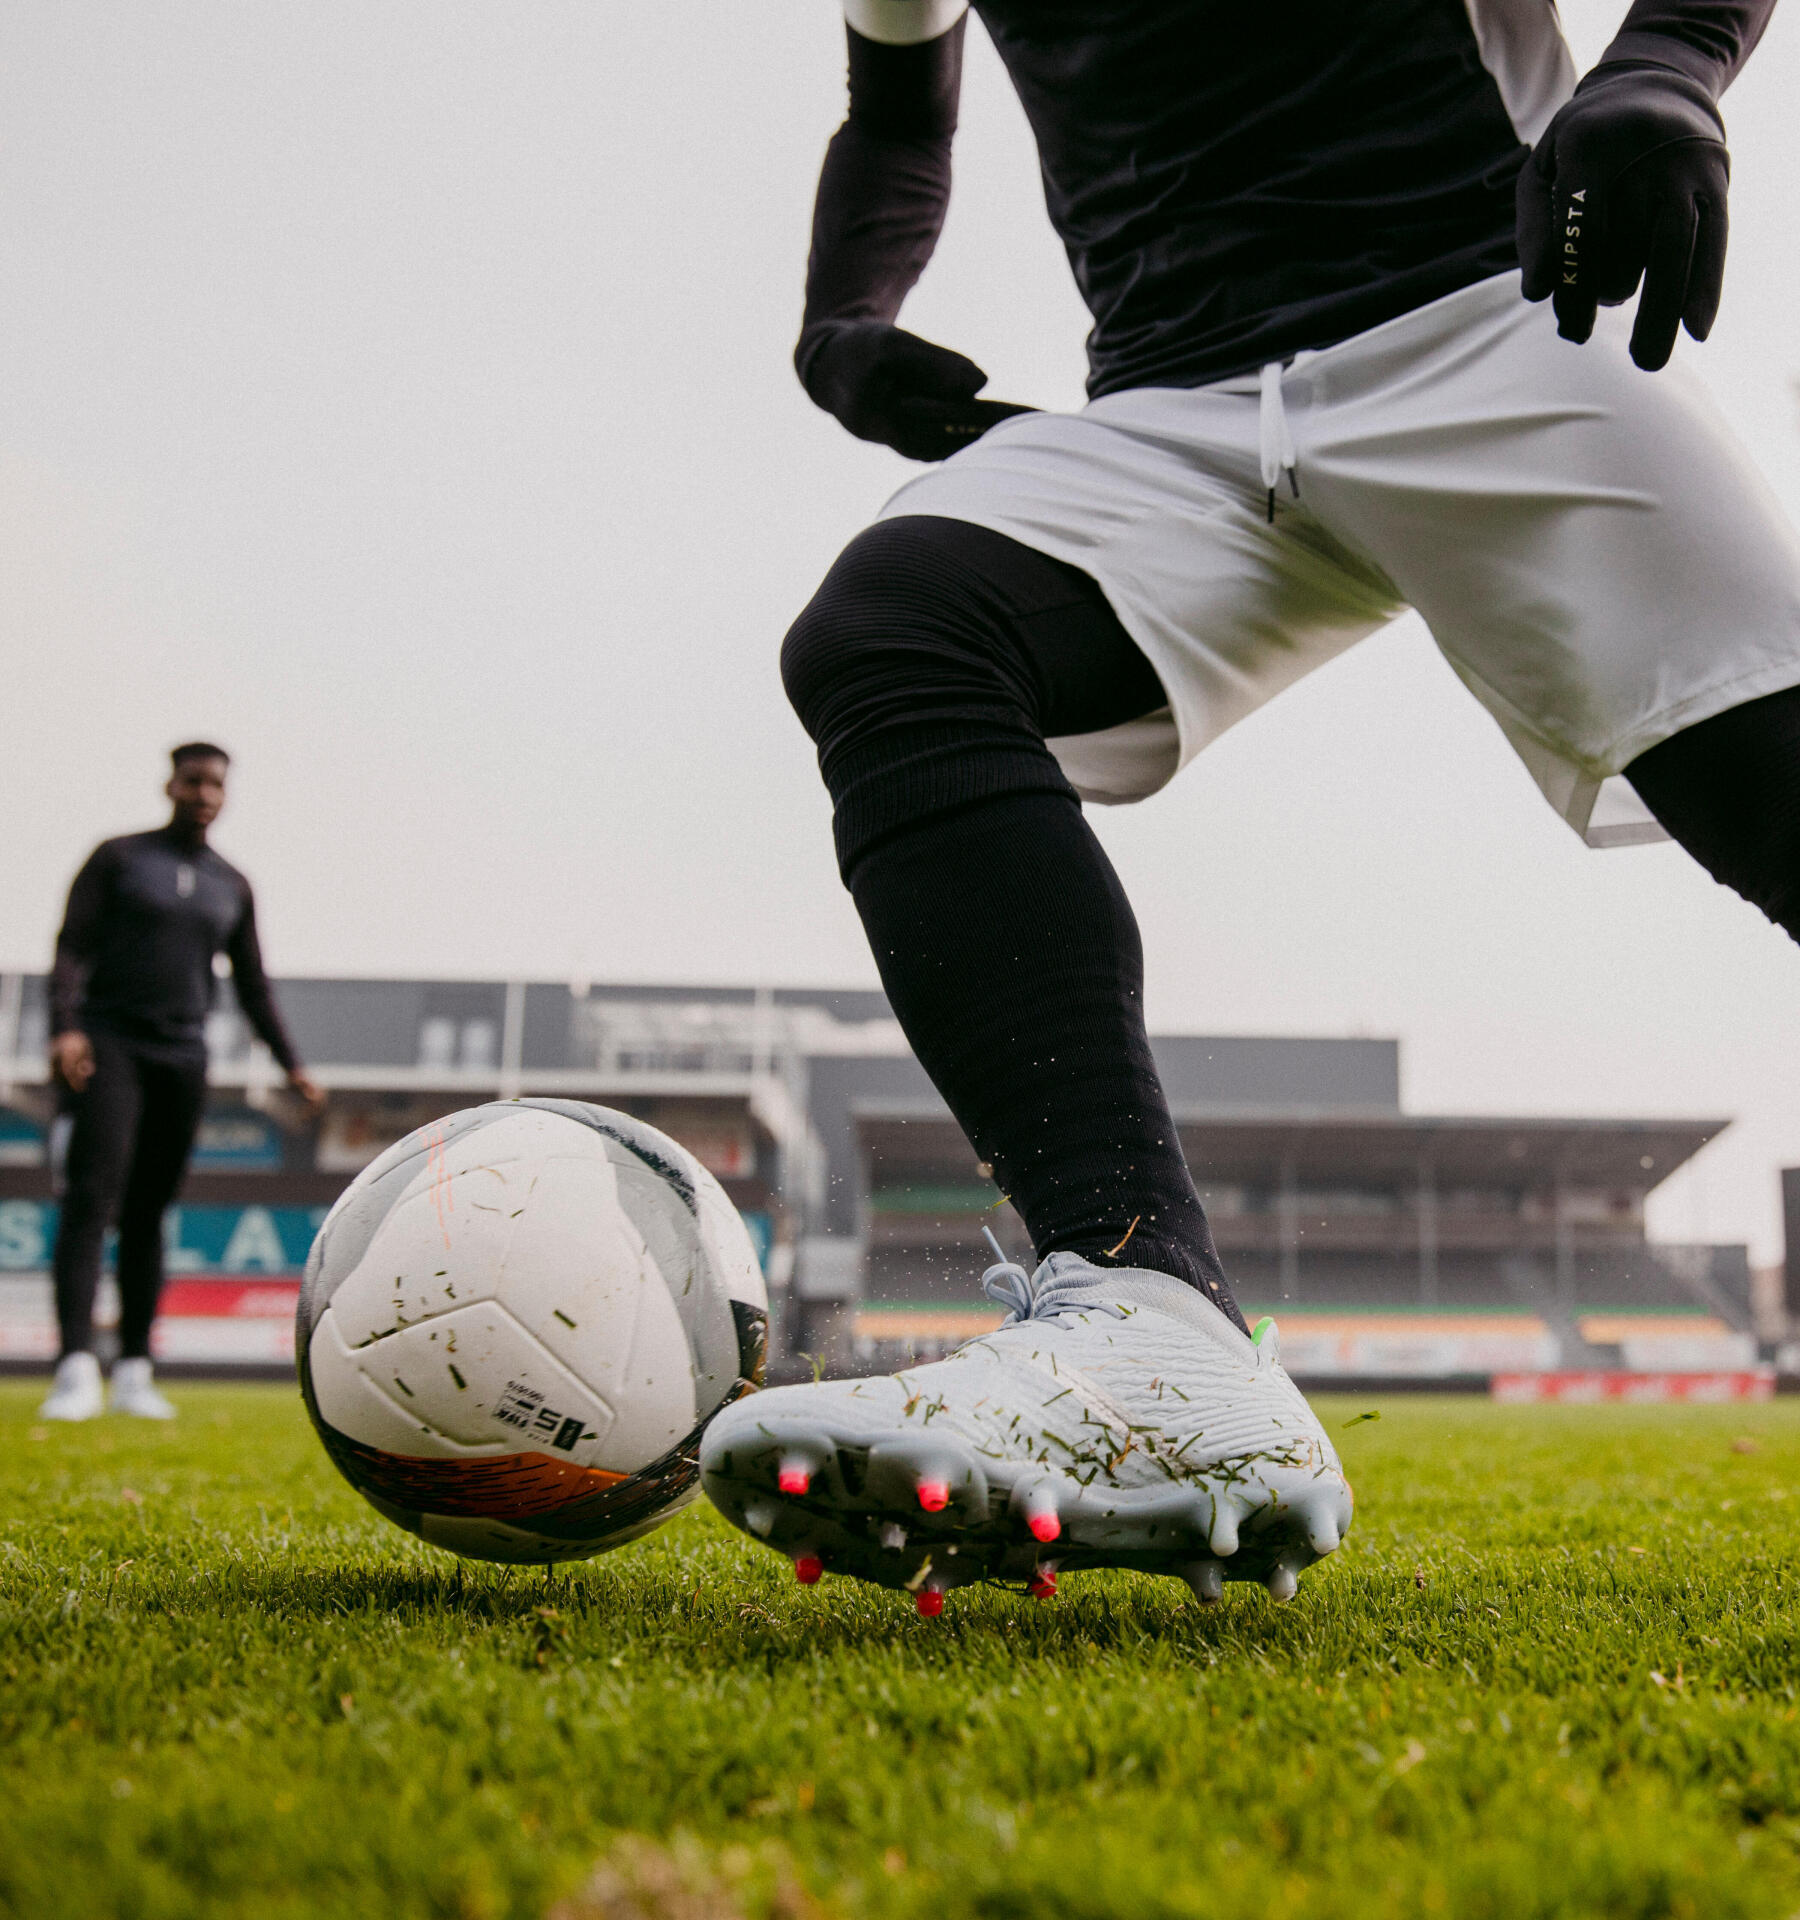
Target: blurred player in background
[[1311, 238], [130, 991]]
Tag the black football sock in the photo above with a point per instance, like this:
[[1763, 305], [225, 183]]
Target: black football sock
[[1013, 962], [930, 668]]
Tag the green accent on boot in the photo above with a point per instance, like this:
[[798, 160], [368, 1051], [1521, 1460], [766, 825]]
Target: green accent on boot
[[1265, 1325]]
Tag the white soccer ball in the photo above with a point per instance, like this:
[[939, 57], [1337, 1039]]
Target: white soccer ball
[[516, 1323]]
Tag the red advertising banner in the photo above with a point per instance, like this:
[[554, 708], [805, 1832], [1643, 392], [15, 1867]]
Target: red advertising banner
[[230, 1299], [1754, 1383]]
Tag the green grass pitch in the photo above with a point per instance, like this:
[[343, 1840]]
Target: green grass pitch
[[1554, 1671]]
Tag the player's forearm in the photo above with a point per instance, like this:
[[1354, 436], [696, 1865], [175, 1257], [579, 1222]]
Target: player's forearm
[[1708, 40], [68, 980], [885, 184], [255, 997], [876, 222], [272, 1032], [881, 207], [257, 1004], [77, 941]]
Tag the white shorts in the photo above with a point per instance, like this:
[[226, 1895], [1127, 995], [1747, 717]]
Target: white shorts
[[1591, 548]]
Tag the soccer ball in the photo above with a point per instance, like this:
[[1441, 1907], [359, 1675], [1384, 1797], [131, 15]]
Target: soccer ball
[[516, 1323]]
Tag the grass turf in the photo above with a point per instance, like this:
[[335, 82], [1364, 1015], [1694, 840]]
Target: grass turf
[[1553, 1672]]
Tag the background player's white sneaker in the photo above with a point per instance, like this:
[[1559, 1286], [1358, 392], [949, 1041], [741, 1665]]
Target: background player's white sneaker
[[1118, 1418], [75, 1390], [134, 1392]]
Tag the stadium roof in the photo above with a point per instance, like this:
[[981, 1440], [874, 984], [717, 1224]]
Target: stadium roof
[[835, 1059], [1359, 1149]]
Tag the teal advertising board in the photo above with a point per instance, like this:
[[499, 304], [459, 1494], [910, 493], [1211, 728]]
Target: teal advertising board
[[216, 1239], [21, 1139], [195, 1239]]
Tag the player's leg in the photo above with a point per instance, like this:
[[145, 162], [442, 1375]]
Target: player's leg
[[1728, 789], [174, 1097], [929, 669], [105, 1117], [1122, 1414]]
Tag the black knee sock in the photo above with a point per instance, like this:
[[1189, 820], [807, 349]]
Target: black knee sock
[[1728, 789], [1013, 962], [930, 668]]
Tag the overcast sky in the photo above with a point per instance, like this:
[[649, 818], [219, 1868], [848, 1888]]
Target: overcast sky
[[400, 394]]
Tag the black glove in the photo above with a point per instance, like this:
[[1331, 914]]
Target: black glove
[[888, 385], [1629, 183]]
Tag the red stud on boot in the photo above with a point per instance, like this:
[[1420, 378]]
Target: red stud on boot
[[807, 1568], [930, 1602], [1043, 1584], [1041, 1516], [934, 1495], [795, 1475]]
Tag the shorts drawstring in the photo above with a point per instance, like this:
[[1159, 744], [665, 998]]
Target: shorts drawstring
[[1278, 455]]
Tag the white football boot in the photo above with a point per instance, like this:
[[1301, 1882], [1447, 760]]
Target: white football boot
[[1116, 1419], [134, 1392], [75, 1390]]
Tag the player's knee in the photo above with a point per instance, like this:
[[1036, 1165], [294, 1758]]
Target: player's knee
[[900, 629], [846, 633], [90, 1193], [816, 657], [140, 1220]]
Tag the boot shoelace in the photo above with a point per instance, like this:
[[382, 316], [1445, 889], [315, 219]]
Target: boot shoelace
[[1040, 1296]]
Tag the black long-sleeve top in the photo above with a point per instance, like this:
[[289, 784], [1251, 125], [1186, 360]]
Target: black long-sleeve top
[[147, 914], [1232, 182]]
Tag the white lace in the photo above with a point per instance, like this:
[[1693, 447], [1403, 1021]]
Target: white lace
[[1277, 438], [1043, 1295]]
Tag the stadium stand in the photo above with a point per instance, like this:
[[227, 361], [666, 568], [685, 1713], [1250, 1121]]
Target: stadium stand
[[1389, 1245]]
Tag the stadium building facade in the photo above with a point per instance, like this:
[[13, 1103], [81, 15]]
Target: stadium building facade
[[1389, 1244]]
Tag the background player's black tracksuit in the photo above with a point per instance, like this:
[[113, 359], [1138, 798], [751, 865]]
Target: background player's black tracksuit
[[147, 914]]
